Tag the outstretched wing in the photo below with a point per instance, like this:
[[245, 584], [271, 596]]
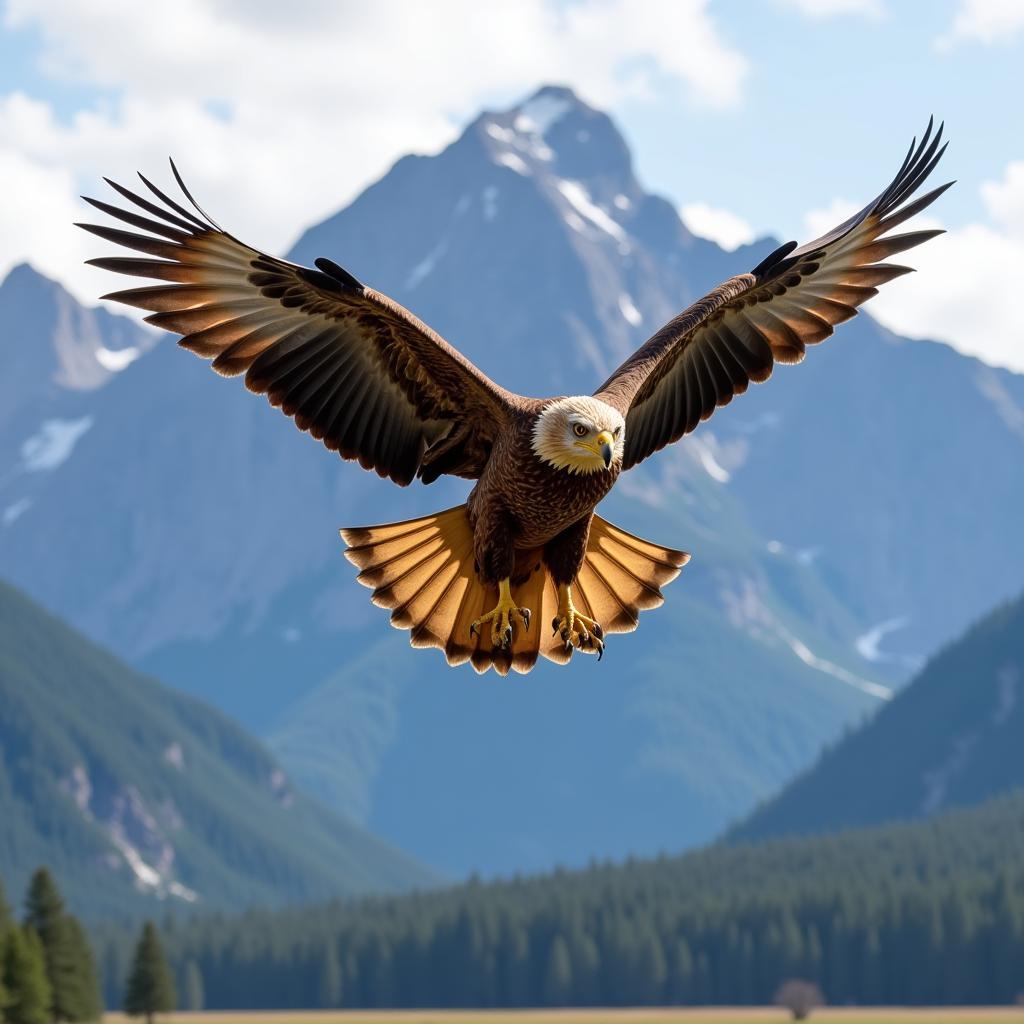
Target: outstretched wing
[[352, 367], [794, 298]]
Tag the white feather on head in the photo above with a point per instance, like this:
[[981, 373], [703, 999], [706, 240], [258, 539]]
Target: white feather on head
[[556, 442]]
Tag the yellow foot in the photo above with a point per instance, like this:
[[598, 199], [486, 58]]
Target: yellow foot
[[577, 630], [501, 617]]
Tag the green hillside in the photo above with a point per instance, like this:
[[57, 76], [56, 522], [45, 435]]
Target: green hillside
[[921, 913], [133, 793], [954, 736]]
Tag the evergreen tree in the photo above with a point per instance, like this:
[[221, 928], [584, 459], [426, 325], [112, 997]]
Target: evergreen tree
[[150, 989], [69, 968], [192, 987], [23, 975], [87, 999]]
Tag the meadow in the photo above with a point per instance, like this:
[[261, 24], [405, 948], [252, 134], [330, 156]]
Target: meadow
[[642, 1015]]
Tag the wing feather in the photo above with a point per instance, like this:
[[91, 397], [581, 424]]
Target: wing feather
[[794, 298], [348, 364]]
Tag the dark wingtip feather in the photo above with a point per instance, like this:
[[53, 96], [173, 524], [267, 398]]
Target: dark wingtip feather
[[773, 258], [331, 269], [189, 196]]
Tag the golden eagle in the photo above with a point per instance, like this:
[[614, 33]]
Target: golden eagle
[[374, 384]]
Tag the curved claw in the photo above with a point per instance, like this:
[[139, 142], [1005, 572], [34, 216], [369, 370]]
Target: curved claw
[[578, 631], [501, 618]]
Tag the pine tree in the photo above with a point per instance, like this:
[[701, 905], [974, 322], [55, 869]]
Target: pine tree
[[23, 974], [87, 999], [150, 989], [63, 949]]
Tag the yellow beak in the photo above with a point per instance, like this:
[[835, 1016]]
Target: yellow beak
[[605, 444]]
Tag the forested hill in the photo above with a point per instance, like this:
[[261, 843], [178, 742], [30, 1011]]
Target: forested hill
[[923, 913], [954, 736], [136, 795]]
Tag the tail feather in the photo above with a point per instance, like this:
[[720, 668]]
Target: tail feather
[[423, 571]]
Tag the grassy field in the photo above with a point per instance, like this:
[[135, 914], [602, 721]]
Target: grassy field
[[670, 1015]]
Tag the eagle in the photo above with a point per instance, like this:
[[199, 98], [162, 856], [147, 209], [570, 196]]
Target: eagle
[[373, 383]]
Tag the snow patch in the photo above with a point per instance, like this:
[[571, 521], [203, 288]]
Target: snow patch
[[16, 509], [580, 200], [712, 466], [867, 643], [490, 201], [539, 114], [175, 756], [809, 658], [53, 444], [500, 134], [427, 264], [131, 828], [513, 162], [281, 789], [575, 221], [630, 313], [116, 361], [78, 786]]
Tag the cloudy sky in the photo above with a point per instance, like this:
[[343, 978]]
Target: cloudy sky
[[753, 116]]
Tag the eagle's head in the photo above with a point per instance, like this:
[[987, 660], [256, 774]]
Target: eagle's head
[[580, 435]]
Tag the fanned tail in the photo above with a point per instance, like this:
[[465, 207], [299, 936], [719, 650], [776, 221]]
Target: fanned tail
[[422, 570]]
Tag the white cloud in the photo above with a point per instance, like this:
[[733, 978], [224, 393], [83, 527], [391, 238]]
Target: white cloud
[[722, 226], [281, 114], [820, 222], [873, 9], [983, 21], [965, 291]]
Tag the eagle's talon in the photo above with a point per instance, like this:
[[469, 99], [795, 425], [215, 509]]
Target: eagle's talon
[[577, 630], [502, 618]]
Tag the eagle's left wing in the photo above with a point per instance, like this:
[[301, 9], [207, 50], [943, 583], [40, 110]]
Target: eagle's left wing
[[795, 297], [352, 367]]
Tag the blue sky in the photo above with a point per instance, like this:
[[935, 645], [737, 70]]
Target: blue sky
[[767, 116]]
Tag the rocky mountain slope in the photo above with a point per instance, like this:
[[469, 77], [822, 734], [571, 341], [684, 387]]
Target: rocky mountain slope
[[952, 737], [135, 795]]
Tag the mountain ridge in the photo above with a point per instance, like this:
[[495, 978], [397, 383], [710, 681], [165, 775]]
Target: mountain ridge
[[138, 796], [950, 738]]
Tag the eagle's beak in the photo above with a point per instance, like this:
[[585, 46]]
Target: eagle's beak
[[605, 445]]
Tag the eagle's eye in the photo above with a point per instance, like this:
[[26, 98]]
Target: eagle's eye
[[579, 430]]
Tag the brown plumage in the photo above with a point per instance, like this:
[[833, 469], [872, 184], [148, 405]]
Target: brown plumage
[[363, 375]]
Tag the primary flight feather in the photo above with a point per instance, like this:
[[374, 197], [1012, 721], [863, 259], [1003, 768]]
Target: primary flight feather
[[373, 383]]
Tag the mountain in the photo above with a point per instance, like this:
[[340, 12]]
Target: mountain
[[952, 737], [135, 794], [194, 532]]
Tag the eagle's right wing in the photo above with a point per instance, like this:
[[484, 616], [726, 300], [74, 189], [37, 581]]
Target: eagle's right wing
[[794, 298], [352, 367]]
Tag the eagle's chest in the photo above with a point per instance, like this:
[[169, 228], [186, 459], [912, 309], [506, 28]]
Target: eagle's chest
[[541, 500]]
